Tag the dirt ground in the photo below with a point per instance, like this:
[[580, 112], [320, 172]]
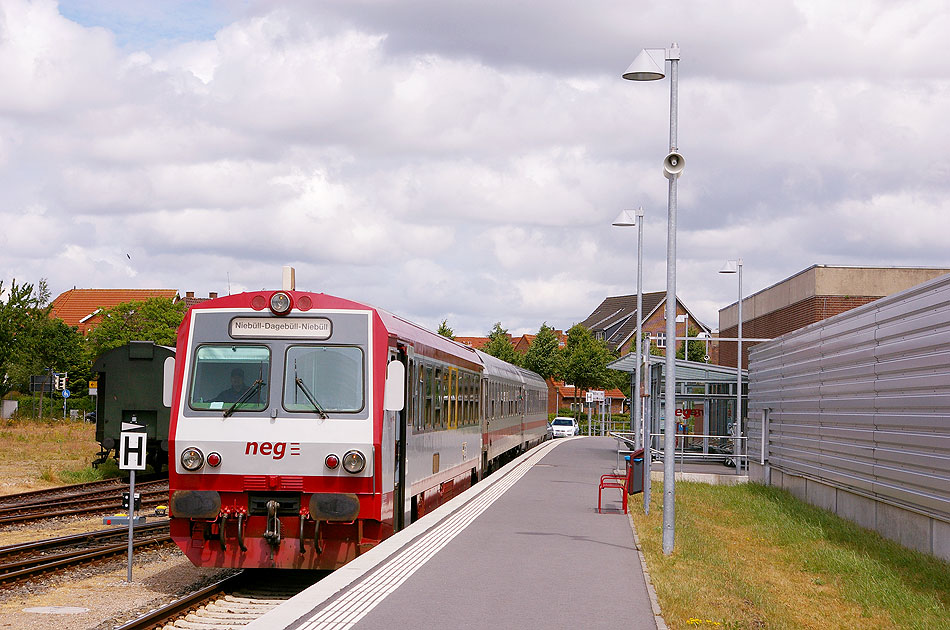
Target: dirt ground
[[96, 597]]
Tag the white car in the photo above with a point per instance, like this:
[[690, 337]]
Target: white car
[[564, 427]]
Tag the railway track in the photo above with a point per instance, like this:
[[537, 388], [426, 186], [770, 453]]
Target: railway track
[[76, 500], [232, 602], [28, 560], [79, 489]]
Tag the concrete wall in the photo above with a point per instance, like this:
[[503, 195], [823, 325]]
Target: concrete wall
[[911, 529]]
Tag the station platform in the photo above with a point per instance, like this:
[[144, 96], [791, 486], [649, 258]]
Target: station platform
[[524, 548]]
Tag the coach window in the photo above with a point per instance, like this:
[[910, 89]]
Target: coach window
[[437, 399], [327, 377], [224, 375], [417, 396], [477, 397], [427, 391]]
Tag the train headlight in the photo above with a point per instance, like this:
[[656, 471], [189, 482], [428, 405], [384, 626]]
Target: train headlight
[[354, 462], [280, 303], [192, 458]]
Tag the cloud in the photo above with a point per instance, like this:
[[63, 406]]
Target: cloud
[[464, 160]]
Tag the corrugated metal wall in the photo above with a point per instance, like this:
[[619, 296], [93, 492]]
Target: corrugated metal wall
[[861, 401]]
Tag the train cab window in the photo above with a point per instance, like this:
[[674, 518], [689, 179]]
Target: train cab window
[[227, 374], [327, 378]]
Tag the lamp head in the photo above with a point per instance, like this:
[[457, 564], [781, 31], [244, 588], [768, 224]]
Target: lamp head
[[645, 68], [729, 267], [627, 218]]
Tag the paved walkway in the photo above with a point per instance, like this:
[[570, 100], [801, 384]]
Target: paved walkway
[[525, 548]]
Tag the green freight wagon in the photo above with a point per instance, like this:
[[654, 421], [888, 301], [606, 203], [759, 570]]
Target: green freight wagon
[[134, 386]]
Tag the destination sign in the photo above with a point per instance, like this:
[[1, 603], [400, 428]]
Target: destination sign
[[282, 328]]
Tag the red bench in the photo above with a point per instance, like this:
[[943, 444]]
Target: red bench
[[621, 482]]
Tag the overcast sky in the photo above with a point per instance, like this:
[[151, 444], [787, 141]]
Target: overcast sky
[[463, 160]]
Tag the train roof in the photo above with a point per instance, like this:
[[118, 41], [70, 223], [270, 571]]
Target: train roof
[[502, 369]]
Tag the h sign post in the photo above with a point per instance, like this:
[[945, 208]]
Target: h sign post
[[132, 458], [131, 449]]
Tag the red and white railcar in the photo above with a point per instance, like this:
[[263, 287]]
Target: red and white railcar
[[305, 428]]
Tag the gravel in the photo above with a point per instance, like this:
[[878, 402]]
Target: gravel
[[97, 597]]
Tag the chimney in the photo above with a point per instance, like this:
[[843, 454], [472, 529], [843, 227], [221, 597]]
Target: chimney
[[189, 294], [212, 295]]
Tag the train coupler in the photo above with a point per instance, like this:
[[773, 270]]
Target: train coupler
[[272, 533]]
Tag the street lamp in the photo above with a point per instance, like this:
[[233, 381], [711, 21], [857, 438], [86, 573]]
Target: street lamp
[[631, 218], [735, 266], [649, 66], [628, 218]]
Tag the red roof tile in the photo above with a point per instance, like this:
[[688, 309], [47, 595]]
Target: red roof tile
[[78, 307], [475, 342]]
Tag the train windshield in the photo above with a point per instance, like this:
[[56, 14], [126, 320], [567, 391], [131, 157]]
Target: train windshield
[[232, 375], [324, 379]]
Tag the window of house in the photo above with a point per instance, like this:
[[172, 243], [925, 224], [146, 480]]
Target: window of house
[[660, 339]]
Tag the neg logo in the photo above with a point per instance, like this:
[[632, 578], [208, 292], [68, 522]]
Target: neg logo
[[273, 449]]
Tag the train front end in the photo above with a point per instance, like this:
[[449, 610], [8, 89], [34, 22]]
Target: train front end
[[275, 431]]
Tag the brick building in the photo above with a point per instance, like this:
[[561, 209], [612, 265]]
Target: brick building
[[809, 296], [565, 396]]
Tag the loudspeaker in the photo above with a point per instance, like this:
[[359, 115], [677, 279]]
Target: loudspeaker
[[673, 165]]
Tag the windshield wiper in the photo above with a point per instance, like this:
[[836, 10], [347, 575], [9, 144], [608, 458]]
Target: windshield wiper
[[253, 389], [306, 392]]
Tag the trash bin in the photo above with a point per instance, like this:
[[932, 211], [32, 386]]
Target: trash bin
[[635, 472]]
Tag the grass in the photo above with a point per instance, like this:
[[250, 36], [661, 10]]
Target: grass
[[751, 556], [42, 453]]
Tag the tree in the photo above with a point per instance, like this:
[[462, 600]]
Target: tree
[[445, 331], [695, 350], [47, 344], [544, 356], [154, 319], [586, 360], [15, 305], [499, 345]]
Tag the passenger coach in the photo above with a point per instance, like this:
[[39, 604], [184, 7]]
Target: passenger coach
[[305, 428]]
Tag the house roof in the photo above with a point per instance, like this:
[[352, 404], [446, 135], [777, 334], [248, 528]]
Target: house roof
[[474, 342], [80, 307], [616, 316], [524, 342]]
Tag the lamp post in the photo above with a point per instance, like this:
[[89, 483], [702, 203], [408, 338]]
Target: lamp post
[[627, 218], [649, 66], [735, 266]]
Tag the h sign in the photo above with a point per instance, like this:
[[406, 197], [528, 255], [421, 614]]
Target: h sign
[[132, 451]]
